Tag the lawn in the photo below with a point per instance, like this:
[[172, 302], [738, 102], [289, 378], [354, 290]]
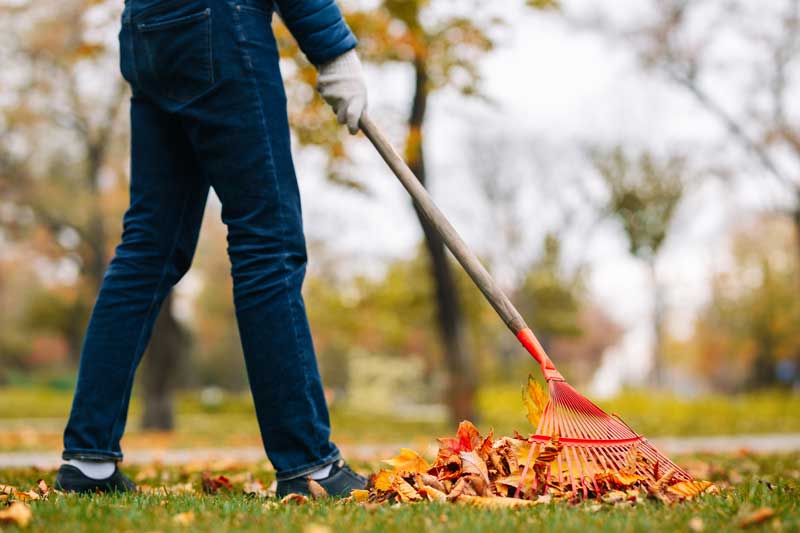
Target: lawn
[[747, 483]]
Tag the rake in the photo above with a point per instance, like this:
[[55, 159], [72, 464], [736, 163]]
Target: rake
[[591, 446]]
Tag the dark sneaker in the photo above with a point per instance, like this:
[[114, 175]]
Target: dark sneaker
[[71, 479], [340, 482]]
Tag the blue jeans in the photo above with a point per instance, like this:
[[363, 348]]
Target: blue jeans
[[208, 110]]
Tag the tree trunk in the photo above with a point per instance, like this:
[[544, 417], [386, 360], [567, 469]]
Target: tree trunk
[[160, 369], [796, 222], [461, 374], [657, 370]]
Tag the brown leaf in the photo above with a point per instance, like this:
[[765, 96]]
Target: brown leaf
[[408, 461], [294, 498], [433, 494], [462, 487], [534, 399], [17, 513], [756, 517], [471, 463], [404, 490], [431, 481], [44, 490], [316, 490]]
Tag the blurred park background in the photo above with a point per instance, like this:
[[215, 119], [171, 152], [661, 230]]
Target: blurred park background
[[629, 171]]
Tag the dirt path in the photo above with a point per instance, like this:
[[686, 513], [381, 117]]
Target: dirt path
[[766, 443]]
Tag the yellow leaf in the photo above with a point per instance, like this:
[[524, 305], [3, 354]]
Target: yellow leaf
[[689, 489], [17, 513], [408, 461], [384, 480], [493, 502], [360, 495], [184, 519], [534, 400]]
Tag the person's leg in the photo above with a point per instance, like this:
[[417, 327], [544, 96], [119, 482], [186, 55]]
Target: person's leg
[[240, 132], [160, 229]]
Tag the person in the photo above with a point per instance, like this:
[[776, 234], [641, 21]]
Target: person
[[208, 109]]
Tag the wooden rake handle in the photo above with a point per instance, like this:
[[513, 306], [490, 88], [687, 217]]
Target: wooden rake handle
[[465, 256]]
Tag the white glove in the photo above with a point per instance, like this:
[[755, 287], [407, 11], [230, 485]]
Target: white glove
[[341, 83]]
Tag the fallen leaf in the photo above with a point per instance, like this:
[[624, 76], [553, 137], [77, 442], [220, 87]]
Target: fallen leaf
[[184, 519], [360, 496], [696, 524], [212, 485], [689, 489], [294, 498], [316, 528], [496, 502], [255, 489], [383, 480], [433, 494], [756, 517], [614, 496], [534, 400], [408, 461], [17, 513], [471, 463], [404, 490], [316, 490]]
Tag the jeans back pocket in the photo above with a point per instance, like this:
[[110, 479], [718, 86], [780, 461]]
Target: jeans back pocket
[[179, 51]]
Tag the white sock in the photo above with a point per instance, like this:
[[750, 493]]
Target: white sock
[[93, 469], [321, 473]]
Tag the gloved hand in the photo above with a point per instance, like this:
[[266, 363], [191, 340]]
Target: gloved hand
[[341, 83]]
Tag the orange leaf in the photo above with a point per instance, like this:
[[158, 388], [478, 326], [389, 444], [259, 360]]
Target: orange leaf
[[17, 513], [757, 517], [408, 461], [689, 489]]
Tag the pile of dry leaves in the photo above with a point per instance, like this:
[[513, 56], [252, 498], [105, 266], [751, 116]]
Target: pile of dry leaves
[[489, 472]]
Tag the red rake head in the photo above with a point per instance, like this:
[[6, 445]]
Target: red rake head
[[591, 447]]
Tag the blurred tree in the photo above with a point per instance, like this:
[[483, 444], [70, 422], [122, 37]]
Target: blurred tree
[[739, 61], [442, 47], [643, 195], [748, 335], [62, 154]]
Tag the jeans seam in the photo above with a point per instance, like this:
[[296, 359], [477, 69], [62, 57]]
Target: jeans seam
[[154, 299]]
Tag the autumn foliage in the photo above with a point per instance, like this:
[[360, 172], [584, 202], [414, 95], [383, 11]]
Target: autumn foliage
[[518, 471]]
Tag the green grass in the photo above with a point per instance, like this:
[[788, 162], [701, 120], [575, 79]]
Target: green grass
[[747, 483]]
